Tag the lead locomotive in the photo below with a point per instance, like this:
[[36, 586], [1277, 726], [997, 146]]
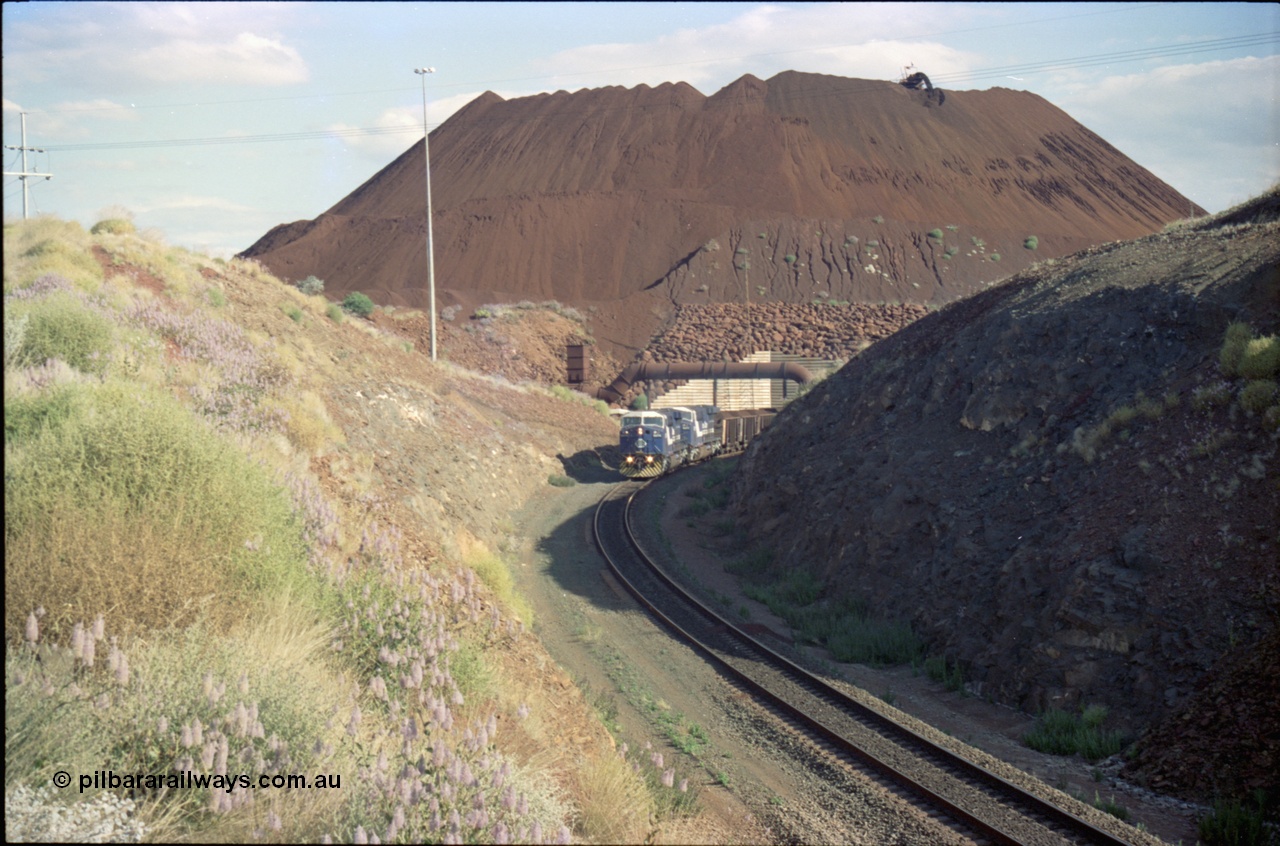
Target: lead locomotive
[[658, 441]]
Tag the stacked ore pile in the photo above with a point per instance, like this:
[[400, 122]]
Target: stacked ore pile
[[733, 331]]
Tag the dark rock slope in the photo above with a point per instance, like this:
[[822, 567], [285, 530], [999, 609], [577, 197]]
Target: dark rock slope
[[1054, 482], [803, 186]]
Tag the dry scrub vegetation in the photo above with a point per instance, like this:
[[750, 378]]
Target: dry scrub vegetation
[[183, 595]]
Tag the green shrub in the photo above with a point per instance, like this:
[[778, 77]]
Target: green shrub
[[334, 312], [1261, 358], [311, 286], [640, 403], [789, 258], [26, 415], [295, 313], [559, 480], [995, 257], [1258, 395], [130, 505], [216, 298], [1058, 732], [935, 234], [113, 226], [1031, 243], [976, 241], [877, 219], [61, 326], [873, 243], [865, 640], [358, 304]]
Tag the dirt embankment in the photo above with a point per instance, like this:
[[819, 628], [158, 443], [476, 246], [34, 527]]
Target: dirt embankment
[[1039, 479]]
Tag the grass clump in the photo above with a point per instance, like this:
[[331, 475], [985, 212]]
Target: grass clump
[[120, 501], [615, 805], [113, 226], [495, 573], [941, 670], [334, 312], [1059, 732], [1236, 823], [559, 480], [50, 246], [935, 234], [1031, 243]]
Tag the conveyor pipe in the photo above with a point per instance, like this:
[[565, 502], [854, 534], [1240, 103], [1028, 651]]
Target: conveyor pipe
[[650, 370]]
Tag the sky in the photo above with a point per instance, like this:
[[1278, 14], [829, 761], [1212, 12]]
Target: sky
[[213, 122]]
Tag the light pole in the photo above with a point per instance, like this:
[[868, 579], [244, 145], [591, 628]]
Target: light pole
[[426, 156]]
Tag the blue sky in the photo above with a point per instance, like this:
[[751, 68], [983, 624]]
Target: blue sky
[[213, 122]]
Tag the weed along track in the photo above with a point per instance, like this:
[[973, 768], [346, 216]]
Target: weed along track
[[955, 791]]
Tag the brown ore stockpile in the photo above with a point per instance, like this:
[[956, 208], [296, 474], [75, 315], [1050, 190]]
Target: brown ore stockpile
[[798, 188], [955, 475]]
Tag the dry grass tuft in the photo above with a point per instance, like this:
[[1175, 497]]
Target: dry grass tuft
[[614, 804]]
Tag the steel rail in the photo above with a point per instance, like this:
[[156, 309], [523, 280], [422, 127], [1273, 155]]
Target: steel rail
[[878, 722]]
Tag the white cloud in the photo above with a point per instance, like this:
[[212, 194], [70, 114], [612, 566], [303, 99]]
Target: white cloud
[[396, 128], [246, 59], [104, 45], [399, 127], [1209, 129]]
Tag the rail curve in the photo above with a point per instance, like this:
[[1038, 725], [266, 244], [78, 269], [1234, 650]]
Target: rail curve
[[988, 805]]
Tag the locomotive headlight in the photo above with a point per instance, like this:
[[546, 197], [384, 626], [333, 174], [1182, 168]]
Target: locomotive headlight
[[648, 459], [631, 459]]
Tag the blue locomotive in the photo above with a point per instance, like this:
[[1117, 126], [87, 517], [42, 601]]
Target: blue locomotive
[[658, 441]]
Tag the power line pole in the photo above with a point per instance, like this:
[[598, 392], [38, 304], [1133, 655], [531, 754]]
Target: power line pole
[[25, 174]]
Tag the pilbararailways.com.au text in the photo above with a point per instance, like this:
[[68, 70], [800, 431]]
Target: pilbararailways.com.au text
[[110, 780]]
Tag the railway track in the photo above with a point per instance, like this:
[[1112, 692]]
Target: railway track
[[984, 805]]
